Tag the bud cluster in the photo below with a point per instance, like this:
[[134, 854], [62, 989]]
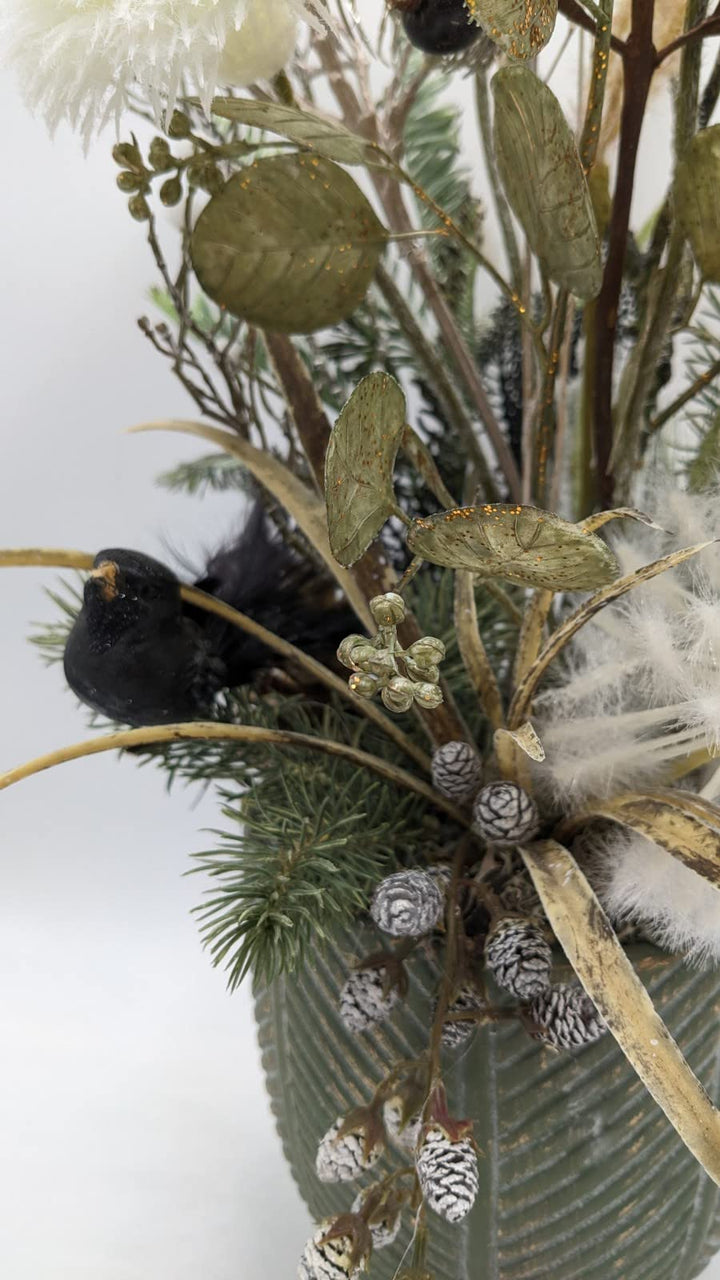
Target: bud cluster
[[378, 662], [136, 176]]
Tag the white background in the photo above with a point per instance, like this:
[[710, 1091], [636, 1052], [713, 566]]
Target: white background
[[136, 1141]]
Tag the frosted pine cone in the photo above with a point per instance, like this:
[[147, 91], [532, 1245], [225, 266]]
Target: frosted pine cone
[[364, 1001], [407, 904], [332, 1259], [404, 1133], [448, 1174], [384, 1222], [566, 1018], [519, 958], [456, 1033], [456, 771], [504, 814], [348, 1150]]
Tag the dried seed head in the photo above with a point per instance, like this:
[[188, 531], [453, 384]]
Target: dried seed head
[[565, 1017], [448, 1173], [365, 999], [456, 771], [407, 904], [504, 814], [519, 957]]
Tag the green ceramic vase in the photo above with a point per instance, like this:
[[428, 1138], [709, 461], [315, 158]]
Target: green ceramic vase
[[582, 1177]]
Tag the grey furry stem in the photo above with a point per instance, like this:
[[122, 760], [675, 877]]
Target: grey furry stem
[[446, 393], [632, 425], [390, 196], [502, 208]]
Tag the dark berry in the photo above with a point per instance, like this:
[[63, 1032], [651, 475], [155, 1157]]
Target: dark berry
[[440, 26]]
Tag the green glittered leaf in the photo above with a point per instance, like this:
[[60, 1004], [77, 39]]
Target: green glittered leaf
[[521, 27], [359, 465], [327, 138], [520, 544], [290, 244], [697, 200], [544, 180]]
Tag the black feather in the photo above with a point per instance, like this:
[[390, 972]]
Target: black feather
[[140, 654]]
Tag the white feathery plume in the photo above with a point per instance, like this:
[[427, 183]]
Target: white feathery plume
[[640, 883], [638, 690], [76, 60]]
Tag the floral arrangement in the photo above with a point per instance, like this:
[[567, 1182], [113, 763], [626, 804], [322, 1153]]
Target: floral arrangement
[[457, 681]]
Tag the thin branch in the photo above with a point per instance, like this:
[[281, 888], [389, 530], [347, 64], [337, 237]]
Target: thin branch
[[211, 731], [574, 12], [638, 68], [693, 390], [703, 31]]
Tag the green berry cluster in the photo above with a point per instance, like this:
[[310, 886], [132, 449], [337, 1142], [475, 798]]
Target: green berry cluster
[[136, 176], [376, 662]]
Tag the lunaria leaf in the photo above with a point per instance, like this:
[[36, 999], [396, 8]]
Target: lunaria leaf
[[587, 938], [544, 180], [697, 199], [520, 544], [521, 27], [290, 244], [326, 137], [359, 465], [685, 824]]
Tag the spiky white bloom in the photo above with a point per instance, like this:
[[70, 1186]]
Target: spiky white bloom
[[640, 685], [640, 883], [77, 59]]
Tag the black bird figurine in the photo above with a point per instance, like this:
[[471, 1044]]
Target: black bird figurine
[[139, 654]]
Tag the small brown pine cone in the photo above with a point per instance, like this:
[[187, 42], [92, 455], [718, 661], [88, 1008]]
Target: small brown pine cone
[[455, 1034], [448, 1173], [504, 814], [519, 957], [407, 904], [565, 1017], [364, 1001], [331, 1259], [348, 1149], [456, 771]]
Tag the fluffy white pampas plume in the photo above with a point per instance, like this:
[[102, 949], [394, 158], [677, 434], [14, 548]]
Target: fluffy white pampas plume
[[640, 883], [77, 59], [639, 689]]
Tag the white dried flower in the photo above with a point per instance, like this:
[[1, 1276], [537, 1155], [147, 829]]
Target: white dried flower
[[364, 1001], [519, 957], [638, 686], [456, 771], [448, 1174], [404, 1133], [77, 59], [329, 1259], [504, 814], [343, 1157], [384, 1223], [640, 883], [407, 904]]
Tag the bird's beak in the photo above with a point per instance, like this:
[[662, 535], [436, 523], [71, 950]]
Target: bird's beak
[[106, 576]]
